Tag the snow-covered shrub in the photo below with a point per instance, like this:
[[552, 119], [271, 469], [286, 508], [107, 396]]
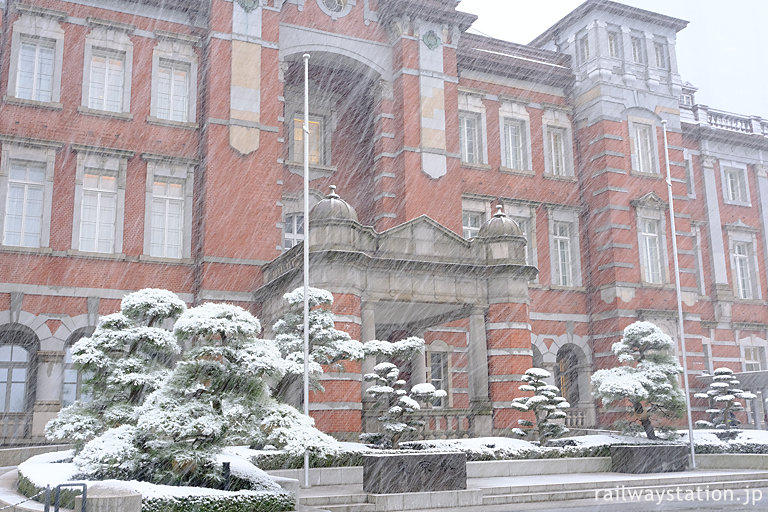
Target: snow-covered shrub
[[647, 379], [327, 345], [546, 404], [285, 427], [113, 454], [126, 358], [215, 396], [722, 395], [241, 502], [388, 389]]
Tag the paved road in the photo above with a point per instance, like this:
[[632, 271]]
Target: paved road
[[736, 500]]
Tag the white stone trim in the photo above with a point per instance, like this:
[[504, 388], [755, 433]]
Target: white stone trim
[[175, 50], [36, 27], [116, 41], [178, 171], [473, 104], [515, 112], [749, 237], [45, 155], [742, 168], [558, 119], [107, 162], [572, 217]]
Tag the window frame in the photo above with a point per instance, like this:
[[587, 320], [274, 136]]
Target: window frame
[[571, 218], [635, 126], [41, 155], [555, 121], [176, 170], [91, 158], [515, 113], [441, 348], [659, 274], [323, 109], [293, 218], [525, 215], [743, 236], [36, 28], [471, 107], [170, 49], [661, 53], [465, 227], [751, 355], [107, 41], [729, 168], [639, 50], [613, 35]]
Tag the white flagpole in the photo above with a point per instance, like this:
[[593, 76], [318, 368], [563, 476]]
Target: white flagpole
[[306, 254], [680, 322]]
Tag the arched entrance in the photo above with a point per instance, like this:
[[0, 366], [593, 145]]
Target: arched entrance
[[18, 371]]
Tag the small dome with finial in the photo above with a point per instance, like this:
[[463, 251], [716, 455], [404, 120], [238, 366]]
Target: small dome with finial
[[500, 225], [332, 207]]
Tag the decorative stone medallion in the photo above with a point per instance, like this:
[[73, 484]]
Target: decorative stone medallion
[[248, 5], [431, 39]]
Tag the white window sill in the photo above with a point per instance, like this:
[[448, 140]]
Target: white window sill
[[737, 203], [558, 287], [175, 124], [124, 116], [559, 177], [52, 105], [97, 255], [315, 171], [476, 166], [26, 250], [166, 261], [642, 174], [519, 172]]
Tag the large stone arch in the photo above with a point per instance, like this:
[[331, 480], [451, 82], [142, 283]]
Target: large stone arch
[[18, 371]]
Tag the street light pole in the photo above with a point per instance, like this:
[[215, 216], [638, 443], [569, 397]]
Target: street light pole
[[306, 255], [680, 322]]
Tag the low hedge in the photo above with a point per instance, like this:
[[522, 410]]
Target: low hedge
[[261, 502], [252, 502]]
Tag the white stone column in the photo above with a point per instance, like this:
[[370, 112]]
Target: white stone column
[[762, 192], [367, 333], [715, 226], [419, 365], [480, 403]]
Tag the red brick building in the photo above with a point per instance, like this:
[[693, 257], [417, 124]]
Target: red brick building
[[157, 143]]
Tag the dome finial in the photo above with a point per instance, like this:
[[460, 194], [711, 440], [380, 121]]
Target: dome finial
[[499, 212], [333, 191]]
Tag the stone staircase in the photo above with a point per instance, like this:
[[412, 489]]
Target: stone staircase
[[489, 494]]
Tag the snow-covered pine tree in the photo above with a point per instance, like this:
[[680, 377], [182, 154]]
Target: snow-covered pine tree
[[546, 404], [648, 377], [327, 345], [127, 357], [215, 397], [390, 391], [722, 394]]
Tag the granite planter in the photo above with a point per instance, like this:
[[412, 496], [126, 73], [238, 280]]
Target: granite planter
[[414, 472], [649, 458]]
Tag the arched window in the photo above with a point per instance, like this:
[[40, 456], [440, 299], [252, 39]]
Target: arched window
[[72, 386], [567, 374], [18, 352]]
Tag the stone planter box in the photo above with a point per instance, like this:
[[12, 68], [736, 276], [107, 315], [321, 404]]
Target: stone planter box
[[418, 472], [649, 458]]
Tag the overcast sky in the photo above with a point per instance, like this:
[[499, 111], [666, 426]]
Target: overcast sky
[[723, 51]]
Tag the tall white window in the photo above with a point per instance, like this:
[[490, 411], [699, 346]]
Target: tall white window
[[525, 224], [99, 211], [556, 150], [470, 138], [107, 80], [651, 250], [471, 222], [515, 144], [173, 91], [584, 48], [563, 255], [14, 371], [660, 52], [638, 50], [643, 148], [438, 374], [614, 44], [753, 359], [167, 218], [742, 265], [24, 204], [35, 71], [316, 140], [293, 230], [735, 184]]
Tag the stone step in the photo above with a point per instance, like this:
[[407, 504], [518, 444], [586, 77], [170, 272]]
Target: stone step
[[331, 500], [654, 480], [576, 494], [357, 507]]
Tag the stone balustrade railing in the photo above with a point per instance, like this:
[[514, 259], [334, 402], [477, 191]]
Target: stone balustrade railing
[[576, 418], [445, 423], [728, 121]]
